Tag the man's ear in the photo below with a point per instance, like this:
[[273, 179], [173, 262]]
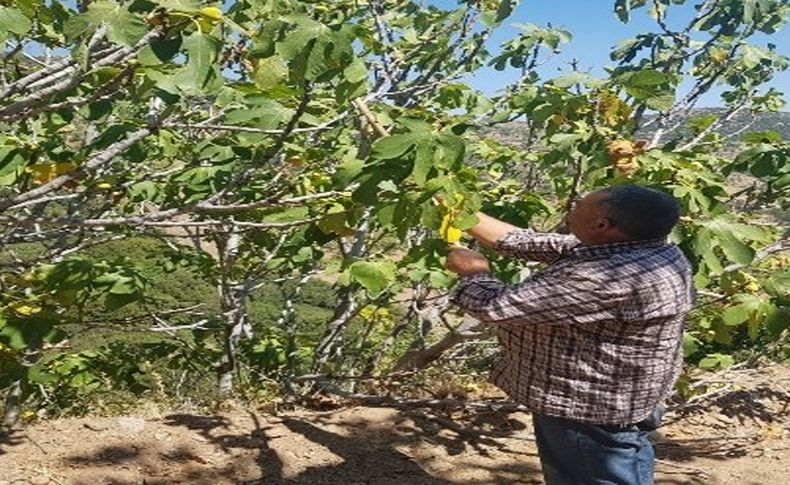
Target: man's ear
[[604, 224]]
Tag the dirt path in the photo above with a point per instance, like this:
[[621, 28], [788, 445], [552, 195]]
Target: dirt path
[[741, 437]]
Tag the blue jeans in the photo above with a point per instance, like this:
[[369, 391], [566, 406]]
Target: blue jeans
[[575, 453]]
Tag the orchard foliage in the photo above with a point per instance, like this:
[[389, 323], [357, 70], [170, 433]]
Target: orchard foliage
[[286, 139]]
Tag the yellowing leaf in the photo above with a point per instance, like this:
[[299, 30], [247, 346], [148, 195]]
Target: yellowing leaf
[[44, 172], [613, 110], [449, 233], [25, 308], [623, 154]]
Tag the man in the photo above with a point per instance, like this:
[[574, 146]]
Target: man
[[591, 344]]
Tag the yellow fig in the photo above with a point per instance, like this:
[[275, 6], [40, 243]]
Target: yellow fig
[[211, 13]]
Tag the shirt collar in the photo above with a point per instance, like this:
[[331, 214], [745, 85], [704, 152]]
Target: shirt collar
[[611, 249]]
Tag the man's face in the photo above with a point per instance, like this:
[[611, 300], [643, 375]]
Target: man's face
[[588, 220]]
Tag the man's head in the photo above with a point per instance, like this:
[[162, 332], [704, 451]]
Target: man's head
[[623, 213]]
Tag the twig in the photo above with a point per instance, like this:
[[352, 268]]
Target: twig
[[686, 469]]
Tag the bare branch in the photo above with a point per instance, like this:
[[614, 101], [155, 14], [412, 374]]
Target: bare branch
[[144, 222], [270, 202], [105, 156]]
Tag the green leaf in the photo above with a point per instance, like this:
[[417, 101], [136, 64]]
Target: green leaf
[[571, 79], [703, 247], [777, 319], [11, 164], [734, 249], [423, 162], [12, 21], [373, 276], [749, 7], [11, 370], [452, 150], [269, 72], [123, 27], [39, 374], [203, 51], [648, 77], [493, 17], [334, 222], [714, 361], [663, 102], [415, 125], [30, 333], [348, 171], [296, 41], [192, 6], [622, 8], [394, 146], [160, 51], [200, 74], [746, 307], [745, 231], [565, 141], [752, 56], [356, 72], [768, 136], [267, 115], [778, 283], [735, 315], [690, 345], [113, 301]]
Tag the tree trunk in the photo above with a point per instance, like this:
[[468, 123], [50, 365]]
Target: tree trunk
[[234, 312], [331, 341], [13, 403], [16, 395], [287, 322]]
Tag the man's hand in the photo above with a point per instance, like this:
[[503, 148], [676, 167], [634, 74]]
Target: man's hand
[[466, 262]]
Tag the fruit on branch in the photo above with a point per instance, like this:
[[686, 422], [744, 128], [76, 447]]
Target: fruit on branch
[[211, 13]]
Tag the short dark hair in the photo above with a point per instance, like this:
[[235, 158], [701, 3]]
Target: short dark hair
[[639, 212]]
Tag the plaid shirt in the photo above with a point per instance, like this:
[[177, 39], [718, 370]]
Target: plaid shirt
[[596, 336]]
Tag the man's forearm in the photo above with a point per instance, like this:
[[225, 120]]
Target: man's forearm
[[489, 230]]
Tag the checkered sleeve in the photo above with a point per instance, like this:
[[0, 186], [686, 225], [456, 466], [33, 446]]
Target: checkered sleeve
[[530, 245], [552, 299]]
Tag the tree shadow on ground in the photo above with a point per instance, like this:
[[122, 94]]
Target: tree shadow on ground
[[366, 452], [9, 437], [363, 461], [268, 461], [741, 407]]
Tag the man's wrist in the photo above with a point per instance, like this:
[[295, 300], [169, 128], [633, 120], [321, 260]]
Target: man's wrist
[[471, 274]]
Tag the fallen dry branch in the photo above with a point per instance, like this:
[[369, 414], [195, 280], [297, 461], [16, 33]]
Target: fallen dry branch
[[408, 403], [685, 469]]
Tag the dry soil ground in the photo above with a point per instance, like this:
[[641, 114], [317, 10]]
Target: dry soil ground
[[738, 436]]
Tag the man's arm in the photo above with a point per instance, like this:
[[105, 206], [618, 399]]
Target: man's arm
[[489, 230], [555, 298], [570, 299], [510, 240]]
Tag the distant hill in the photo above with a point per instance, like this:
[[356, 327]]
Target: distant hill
[[736, 127], [515, 132]]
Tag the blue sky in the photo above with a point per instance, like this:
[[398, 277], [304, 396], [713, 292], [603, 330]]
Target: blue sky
[[595, 31]]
